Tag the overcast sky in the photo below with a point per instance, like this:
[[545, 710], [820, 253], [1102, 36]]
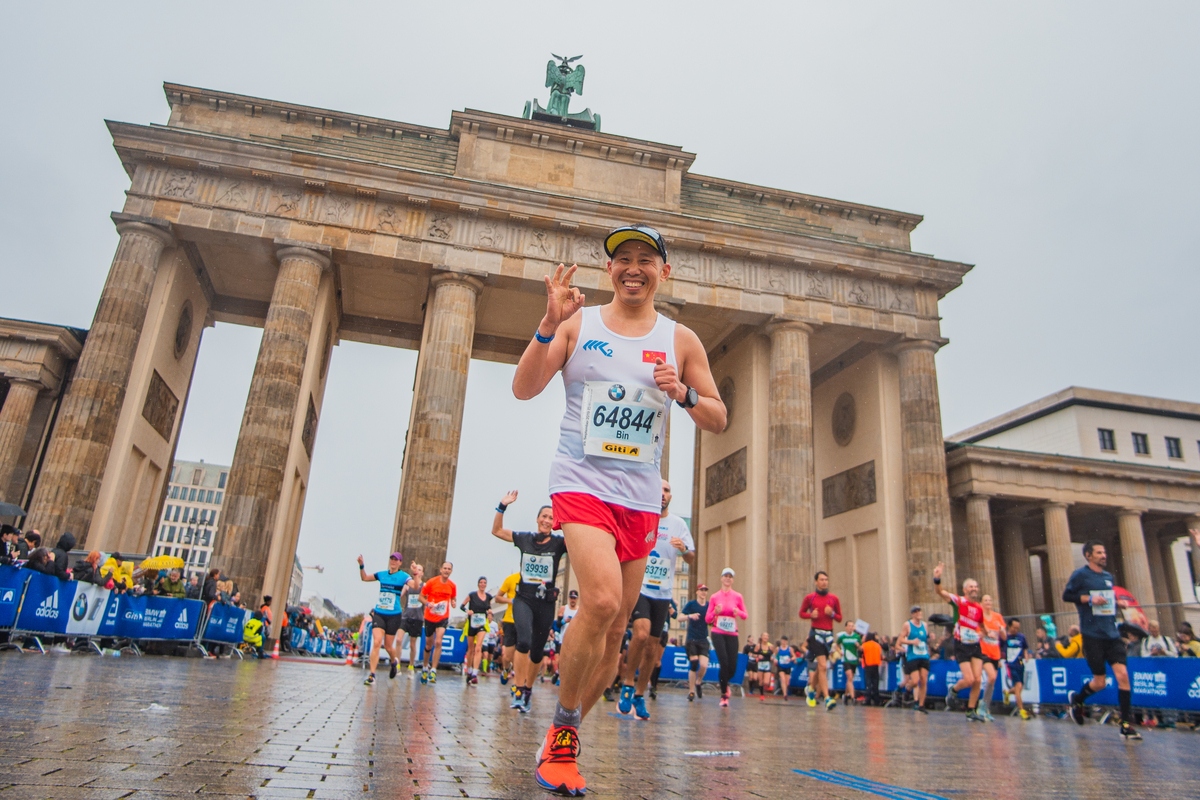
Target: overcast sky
[[1052, 145]]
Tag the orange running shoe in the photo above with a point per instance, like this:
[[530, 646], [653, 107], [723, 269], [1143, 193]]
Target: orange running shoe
[[557, 770]]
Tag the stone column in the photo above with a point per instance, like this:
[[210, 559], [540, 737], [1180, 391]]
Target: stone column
[[981, 548], [1134, 559], [927, 528], [1018, 581], [1158, 580], [791, 481], [1166, 558], [256, 477], [1058, 554], [14, 426], [70, 477], [431, 452]]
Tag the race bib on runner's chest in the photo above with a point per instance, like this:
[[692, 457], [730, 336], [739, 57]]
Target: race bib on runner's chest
[[764, 666], [727, 624], [967, 635], [657, 570], [414, 601], [387, 601], [785, 661], [919, 649], [478, 620], [824, 637], [438, 609], [623, 422], [1109, 609], [535, 568]]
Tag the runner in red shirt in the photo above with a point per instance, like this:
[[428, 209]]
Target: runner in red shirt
[[823, 609], [968, 623], [438, 595]]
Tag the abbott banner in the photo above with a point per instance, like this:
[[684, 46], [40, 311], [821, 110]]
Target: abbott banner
[[88, 609]]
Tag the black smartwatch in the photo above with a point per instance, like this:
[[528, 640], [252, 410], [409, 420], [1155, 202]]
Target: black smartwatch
[[690, 399]]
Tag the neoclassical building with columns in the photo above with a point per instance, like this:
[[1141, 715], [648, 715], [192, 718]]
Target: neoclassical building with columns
[[1029, 487], [820, 321]]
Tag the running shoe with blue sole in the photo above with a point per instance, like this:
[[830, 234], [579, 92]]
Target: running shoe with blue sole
[[625, 704], [1075, 707], [639, 708]]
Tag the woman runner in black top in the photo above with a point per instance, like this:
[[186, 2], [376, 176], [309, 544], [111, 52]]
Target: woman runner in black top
[[477, 604]]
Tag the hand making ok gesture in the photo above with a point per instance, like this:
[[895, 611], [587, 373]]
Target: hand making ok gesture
[[562, 299]]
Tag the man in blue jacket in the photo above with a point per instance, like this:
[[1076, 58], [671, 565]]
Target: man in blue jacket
[[1091, 589]]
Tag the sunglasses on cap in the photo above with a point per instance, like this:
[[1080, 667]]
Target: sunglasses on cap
[[640, 233]]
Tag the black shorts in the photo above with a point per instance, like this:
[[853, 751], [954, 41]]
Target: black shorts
[[965, 652], [1016, 673], [657, 611], [412, 626], [473, 632], [696, 647], [510, 633], [1100, 652], [388, 623], [432, 628], [914, 664], [819, 645], [849, 666], [995, 662]]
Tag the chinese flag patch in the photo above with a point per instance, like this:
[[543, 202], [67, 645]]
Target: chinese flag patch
[[648, 356]]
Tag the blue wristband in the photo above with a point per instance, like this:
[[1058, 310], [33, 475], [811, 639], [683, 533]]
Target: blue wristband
[[543, 339]]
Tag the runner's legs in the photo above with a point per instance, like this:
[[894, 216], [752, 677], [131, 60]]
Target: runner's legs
[[376, 641], [608, 590]]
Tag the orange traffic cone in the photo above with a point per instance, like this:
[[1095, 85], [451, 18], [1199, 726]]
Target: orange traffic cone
[[350, 653], [275, 650]]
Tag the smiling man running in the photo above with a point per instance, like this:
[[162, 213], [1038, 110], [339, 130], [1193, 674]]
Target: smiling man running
[[622, 365]]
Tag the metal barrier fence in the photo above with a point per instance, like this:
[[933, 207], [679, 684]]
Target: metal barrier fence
[[34, 605]]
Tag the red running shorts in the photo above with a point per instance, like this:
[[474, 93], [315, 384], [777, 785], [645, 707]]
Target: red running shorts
[[635, 531]]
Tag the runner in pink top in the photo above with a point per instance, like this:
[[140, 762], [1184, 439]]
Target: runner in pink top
[[724, 608]]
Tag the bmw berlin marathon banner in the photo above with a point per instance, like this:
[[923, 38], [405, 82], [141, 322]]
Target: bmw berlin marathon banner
[[71, 608]]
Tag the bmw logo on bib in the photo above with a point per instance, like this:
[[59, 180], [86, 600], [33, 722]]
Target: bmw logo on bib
[[616, 392]]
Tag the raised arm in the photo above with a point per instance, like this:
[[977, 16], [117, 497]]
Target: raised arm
[[545, 356], [937, 581], [709, 413], [362, 573], [498, 529]]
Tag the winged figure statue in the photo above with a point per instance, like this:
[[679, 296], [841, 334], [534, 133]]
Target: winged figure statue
[[563, 80]]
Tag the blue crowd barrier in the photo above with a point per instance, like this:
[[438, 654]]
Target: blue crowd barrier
[[35, 603], [12, 586], [1167, 683], [226, 624], [674, 666]]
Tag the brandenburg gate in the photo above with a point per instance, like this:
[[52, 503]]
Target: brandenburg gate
[[820, 321]]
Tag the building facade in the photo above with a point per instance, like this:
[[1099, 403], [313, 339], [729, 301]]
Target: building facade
[[820, 321], [1029, 487], [191, 514]]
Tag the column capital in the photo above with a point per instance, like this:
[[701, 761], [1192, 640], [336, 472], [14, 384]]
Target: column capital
[[28, 383], [1054, 504], [1131, 512], [472, 280], [780, 324], [153, 227], [319, 254], [979, 496], [669, 307], [931, 345]]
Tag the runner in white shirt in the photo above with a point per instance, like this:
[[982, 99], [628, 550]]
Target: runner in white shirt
[[623, 364], [653, 608]]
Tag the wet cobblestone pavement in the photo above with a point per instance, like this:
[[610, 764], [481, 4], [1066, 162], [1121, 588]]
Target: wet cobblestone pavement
[[90, 727]]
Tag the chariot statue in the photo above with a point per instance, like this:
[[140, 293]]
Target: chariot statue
[[563, 80]]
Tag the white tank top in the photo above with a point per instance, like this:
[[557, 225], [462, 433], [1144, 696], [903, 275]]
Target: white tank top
[[614, 376]]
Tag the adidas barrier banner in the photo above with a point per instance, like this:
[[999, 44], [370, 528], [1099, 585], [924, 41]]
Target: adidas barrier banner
[[889, 673], [1156, 682], [47, 604], [88, 609], [225, 624], [12, 582]]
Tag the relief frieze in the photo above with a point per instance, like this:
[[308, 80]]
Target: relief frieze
[[848, 490], [725, 478]]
